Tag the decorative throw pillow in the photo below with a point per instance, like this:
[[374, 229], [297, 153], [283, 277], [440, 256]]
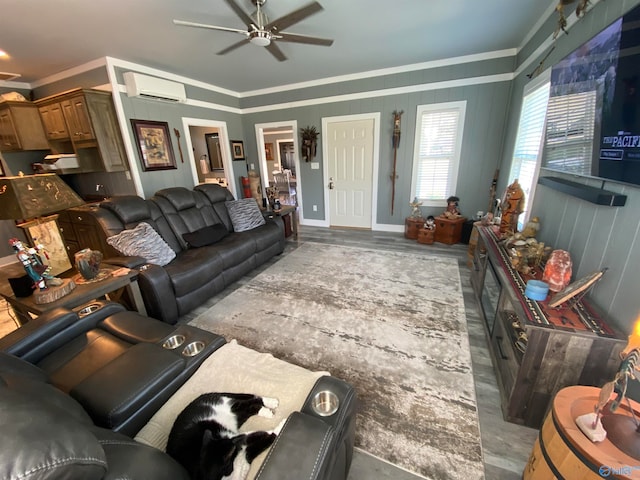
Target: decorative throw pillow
[[143, 241], [206, 236], [245, 214]]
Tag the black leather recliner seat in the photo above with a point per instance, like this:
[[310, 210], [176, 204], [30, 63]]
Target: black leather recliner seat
[[196, 274], [76, 387]]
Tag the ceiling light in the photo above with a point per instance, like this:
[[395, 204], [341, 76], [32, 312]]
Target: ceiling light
[[3, 54], [261, 38]]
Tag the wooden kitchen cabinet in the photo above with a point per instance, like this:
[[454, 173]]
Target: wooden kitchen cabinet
[[21, 127], [80, 230], [53, 120], [77, 118], [90, 129]]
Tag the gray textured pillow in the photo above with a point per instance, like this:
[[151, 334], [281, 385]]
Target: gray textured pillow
[[143, 241], [245, 214]]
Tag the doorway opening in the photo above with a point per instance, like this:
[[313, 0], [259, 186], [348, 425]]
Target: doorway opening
[[279, 161], [209, 155]]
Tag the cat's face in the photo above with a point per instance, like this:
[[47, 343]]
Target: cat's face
[[217, 456]]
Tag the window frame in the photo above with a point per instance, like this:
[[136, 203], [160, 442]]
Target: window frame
[[539, 82], [452, 177]]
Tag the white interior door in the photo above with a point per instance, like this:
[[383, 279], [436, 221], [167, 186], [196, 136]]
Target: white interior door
[[350, 169]]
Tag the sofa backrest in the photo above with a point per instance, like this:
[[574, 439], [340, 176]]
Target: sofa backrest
[[187, 211], [127, 211], [217, 195]]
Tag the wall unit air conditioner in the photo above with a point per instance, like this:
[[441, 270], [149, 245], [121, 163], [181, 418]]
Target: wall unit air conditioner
[[144, 86]]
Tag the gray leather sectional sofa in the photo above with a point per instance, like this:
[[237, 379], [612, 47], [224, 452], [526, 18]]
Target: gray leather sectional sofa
[[195, 274]]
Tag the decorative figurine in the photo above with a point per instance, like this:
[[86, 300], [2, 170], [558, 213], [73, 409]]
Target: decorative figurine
[[430, 223], [530, 230], [512, 207], [415, 208], [452, 210], [31, 262]]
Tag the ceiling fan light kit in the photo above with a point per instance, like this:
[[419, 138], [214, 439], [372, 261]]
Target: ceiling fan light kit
[[264, 33]]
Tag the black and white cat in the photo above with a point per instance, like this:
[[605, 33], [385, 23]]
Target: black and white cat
[[205, 437]]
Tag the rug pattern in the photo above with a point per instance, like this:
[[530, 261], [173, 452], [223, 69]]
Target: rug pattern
[[390, 323]]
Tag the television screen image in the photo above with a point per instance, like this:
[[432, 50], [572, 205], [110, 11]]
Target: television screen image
[[593, 128]]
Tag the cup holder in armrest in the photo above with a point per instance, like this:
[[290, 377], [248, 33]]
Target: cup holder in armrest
[[325, 403], [89, 309], [173, 342], [194, 348]]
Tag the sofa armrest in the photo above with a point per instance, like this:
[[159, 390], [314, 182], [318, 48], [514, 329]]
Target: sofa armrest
[[50, 330], [129, 262], [158, 293], [303, 449]]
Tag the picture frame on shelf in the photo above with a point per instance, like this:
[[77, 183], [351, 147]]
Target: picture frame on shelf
[[237, 149], [154, 145]]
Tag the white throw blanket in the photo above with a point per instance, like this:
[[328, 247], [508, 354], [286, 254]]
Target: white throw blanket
[[236, 369]]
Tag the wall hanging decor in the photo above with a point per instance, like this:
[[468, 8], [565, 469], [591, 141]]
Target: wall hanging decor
[[237, 149], [309, 142], [154, 145], [395, 143]]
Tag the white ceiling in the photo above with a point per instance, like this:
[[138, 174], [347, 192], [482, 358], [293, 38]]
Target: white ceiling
[[45, 37]]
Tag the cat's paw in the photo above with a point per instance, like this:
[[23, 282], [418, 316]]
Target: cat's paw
[[279, 427], [270, 402], [265, 412]]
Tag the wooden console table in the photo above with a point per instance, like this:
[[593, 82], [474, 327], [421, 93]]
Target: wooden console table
[[82, 294], [566, 346]]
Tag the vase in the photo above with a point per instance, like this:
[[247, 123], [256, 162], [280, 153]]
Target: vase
[[88, 263]]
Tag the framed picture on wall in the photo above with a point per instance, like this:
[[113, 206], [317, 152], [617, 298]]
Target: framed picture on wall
[[237, 149], [154, 145], [268, 150]]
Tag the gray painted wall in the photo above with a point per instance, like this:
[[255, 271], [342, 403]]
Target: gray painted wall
[[596, 236]]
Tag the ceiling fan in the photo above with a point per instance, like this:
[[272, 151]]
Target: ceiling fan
[[263, 32]]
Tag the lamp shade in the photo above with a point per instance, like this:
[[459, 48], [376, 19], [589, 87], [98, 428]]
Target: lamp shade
[[31, 196]]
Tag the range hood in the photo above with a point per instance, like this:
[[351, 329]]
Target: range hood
[[61, 163]]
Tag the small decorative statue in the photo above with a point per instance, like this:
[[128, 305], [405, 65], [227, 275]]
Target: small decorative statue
[[32, 263], [272, 195], [530, 230], [415, 208], [452, 210], [430, 223], [512, 207]]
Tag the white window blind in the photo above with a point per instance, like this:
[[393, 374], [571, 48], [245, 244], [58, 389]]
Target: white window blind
[[570, 130], [525, 164], [438, 142]]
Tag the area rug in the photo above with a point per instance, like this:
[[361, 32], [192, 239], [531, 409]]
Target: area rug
[[393, 325]]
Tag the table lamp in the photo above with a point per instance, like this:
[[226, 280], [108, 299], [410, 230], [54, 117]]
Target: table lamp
[[29, 198]]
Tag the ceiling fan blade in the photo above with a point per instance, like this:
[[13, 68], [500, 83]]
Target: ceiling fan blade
[[276, 52], [294, 17], [233, 47], [209, 27], [244, 16], [296, 38]]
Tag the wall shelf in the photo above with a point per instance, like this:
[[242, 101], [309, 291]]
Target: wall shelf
[[595, 195]]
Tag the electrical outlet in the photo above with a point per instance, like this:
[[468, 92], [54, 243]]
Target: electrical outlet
[[315, 208], [127, 174]]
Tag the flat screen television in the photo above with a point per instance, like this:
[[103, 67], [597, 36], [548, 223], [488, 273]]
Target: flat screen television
[[593, 115]]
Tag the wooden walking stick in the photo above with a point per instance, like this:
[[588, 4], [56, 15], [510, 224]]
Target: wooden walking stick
[[396, 144]]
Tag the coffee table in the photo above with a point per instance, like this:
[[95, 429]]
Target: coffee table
[[111, 286]]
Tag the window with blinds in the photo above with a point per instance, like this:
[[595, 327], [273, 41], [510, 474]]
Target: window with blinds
[[525, 164], [570, 131], [437, 151]]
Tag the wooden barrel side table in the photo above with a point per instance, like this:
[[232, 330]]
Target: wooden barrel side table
[[411, 227], [563, 451]]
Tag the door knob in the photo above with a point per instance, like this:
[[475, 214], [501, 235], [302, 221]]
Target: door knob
[[331, 183]]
